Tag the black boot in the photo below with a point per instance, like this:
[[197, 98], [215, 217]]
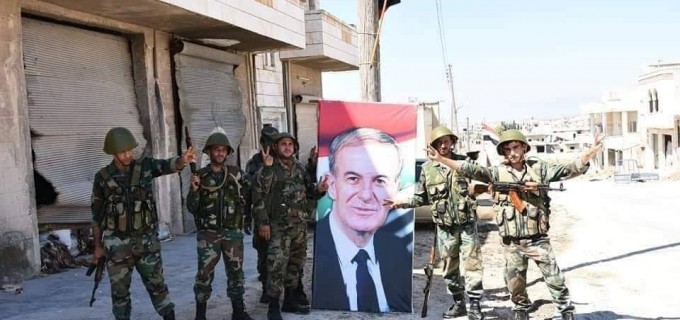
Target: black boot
[[274, 312], [291, 303], [457, 309], [170, 315], [263, 297], [300, 293], [239, 310], [568, 315], [475, 312], [521, 315], [200, 310]]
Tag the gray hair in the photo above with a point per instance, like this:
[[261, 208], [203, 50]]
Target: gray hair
[[356, 135]]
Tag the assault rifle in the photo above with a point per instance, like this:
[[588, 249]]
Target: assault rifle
[[429, 273], [187, 140], [512, 189], [99, 268]]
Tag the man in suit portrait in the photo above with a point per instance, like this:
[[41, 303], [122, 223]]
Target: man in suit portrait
[[361, 262]]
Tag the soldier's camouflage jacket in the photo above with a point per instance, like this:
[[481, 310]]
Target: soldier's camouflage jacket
[[283, 194], [123, 201], [534, 220], [220, 200], [446, 192]]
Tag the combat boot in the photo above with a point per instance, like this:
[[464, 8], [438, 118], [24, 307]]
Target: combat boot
[[291, 303], [239, 310], [263, 297], [274, 312], [457, 309], [200, 310], [521, 315], [300, 293], [568, 315], [475, 312], [170, 315]]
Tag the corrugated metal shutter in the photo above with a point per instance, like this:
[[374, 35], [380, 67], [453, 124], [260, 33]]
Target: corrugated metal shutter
[[210, 100], [80, 85], [307, 126]]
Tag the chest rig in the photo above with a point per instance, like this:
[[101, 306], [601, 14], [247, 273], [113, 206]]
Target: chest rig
[[129, 208], [534, 219], [287, 199], [447, 193], [221, 200]]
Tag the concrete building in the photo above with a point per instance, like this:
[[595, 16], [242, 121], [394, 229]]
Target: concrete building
[[642, 123], [74, 69]]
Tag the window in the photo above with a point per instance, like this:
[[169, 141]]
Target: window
[[651, 101], [270, 59], [656, 101]]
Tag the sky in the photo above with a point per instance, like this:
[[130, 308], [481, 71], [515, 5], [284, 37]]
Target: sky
[[513, 59]]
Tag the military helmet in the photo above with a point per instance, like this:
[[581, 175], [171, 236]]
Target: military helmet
[[218, 139], [511, 135], [441, 131], [119, 139], [267, 134]]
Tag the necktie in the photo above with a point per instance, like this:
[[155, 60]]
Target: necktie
[[367, 298]]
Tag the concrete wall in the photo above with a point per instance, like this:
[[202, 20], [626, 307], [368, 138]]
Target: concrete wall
[[305, 81], [19, 247]]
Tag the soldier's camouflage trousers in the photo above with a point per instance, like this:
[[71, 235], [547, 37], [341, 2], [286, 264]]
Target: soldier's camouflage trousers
[[286, 257], [210, 245], [517, 254], [142, 252], [456, 240], [261, 245]]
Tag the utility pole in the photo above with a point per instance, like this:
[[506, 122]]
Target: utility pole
[[454, 108], [467, 130], [369, 61]]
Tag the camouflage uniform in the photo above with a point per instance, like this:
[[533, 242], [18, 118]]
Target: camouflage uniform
[[525, 234], [219, 213], [123, 206], [453, 212], [285, 193]]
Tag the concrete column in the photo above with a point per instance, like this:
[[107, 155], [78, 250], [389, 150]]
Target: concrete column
[[624, 122], [19, 246]]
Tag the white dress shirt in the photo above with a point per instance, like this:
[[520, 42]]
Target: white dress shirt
[[347, 250]]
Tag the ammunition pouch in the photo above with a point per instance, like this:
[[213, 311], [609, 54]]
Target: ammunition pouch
[[221, 203], [129, 209]]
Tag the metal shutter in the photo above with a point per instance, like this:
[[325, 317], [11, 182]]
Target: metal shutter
[[210, 100], [79, 85], [307, 127]]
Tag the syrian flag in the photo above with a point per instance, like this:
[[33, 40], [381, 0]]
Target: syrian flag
[[490, 134]]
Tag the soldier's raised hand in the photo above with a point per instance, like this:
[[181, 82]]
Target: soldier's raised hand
[[195, 182], [323, 184], [189, 156], [313, 156], [264, 232], [393, 203], [267, 157], [433, 154]]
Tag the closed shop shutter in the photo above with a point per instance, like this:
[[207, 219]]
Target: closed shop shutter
[[209, 100], [79, 85], [307, 126]]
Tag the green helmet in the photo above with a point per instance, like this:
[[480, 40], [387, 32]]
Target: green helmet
[[511, 135], [218, 139], [441, 131], [267, 134], [119, 139]]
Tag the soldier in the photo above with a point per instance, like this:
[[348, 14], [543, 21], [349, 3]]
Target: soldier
[[252, 167], [454, 215], [285, 187], [125, 221], [217, 197], [525, 232]]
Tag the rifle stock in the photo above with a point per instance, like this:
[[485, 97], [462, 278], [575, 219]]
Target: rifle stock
[[429, 273], [187, 140], [98, 270]]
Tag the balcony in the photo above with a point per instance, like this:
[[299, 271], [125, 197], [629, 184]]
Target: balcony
[[657, 121], [248, 25], [331, 44]]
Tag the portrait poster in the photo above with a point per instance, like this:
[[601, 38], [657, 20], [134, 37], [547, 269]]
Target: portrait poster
[[363, 249]]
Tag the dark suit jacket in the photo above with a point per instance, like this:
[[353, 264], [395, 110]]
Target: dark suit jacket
[[396, 270]]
